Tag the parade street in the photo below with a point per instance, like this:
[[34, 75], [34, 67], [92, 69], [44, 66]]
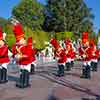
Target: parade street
[[46, 86]]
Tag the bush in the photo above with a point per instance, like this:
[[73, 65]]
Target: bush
[[39, 37], [10, 40], [63, 35]]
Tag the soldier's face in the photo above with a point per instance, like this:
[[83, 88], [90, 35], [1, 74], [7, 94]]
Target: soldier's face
[[86, 44], [22, 41]]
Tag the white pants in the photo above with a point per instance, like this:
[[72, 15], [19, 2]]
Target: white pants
[[61, 64], [26, 67], [94, 60], [34, 63], [72, 59], [4, 65], [69, 60], [85, 63]]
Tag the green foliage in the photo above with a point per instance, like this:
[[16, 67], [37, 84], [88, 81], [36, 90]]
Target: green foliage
[[68, 15], [10, 40], [30, 13], [99, 32], [7, 28], [63, 35], [61, 18], [3, 22], [93, 35], [39, 37]]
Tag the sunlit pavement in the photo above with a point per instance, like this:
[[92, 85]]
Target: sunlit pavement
[[46, 86]]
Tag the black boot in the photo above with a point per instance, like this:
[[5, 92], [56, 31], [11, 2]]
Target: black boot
[[26, 84], [1, 75], [32, 69], [68, 66], [88, 72], [4, 75], [60, 70], [72, 64], [99, 58], [24, 79], [95, 66], [92, 65], [83, 72], [20, 84]]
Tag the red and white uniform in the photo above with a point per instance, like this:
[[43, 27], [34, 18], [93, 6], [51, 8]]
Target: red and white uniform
[[31, 50], [27, 55], [86, 54], [61, 57], [22, 51], [60, 54], [4, 59], [95, 52], [69, 50], [4, 54]]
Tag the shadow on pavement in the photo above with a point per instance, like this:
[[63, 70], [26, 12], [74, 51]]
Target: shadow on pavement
[[97, 98], [66, 83], [52, 98], [54, 71], [73, 74], [12, 78]]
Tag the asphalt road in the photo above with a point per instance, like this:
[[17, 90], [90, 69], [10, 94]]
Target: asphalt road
[[46, 86]]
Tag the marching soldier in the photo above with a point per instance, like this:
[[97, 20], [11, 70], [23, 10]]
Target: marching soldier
[[70, 54], [33, 64], [24, 55], [86, 54], [95, 55], [4, 59], [60, 55]]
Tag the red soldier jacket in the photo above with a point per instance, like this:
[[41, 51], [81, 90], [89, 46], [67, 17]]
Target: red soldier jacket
[[27, 53], [71, 54], [88, 53], [95, 54], [61, 57], [4, 54], [14, 51], [81, 51]]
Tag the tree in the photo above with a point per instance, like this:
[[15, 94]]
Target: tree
[[68, 15], [98, 32], [3, 22], [30, 13]]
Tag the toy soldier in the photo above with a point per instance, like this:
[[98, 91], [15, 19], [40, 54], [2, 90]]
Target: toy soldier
[[95, 55], [86, 54], [4, 59], [70, 54], [60, 55], [23, 54], [33, 64]]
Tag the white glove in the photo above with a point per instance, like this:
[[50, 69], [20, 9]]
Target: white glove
[[17, 56], [84, 56], [57, 58]]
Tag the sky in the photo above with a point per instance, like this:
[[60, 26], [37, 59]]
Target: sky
[[7, 5], [95, 5]]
